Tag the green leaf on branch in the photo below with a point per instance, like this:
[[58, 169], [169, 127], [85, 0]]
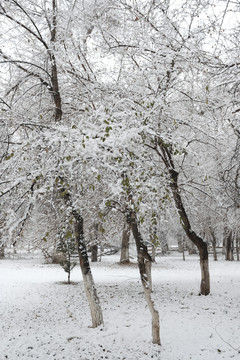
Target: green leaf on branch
[[8, 157], [69, 235]]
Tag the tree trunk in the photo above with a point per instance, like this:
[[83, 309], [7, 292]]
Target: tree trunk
[[224, 245], [54, 75], [237, 246], [90, 289], [180, 243], [144, 264], [183, 248], [56, 93], [196, 240], [2, 250], [214, 252], [229, 247], [69, 268], [124, 258], [94, 243], [94, 253], [166, 155], [214, 245], [205, 281]]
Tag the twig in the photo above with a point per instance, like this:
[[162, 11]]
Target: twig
[[236, 349]]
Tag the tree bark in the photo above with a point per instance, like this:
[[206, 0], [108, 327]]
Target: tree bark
[[197, 240], [90, 289], [55, 91], [94, 243], [224, 245], [183, 248], [144, 264], [229, 247], [205, 277], [214, 245], [94, 253], [237, 246], [2, 250], [166, 156], [89, 285], [124, 258], [54, 71]]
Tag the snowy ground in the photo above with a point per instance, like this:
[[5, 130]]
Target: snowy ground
[[43, 318]]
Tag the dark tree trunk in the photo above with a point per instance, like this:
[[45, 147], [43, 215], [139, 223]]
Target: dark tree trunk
[[205, 280], [94, 253], [166, 156], [180, 243], [197, 240], [144, 264], [229, 247], [56, 93], [69, 269], [2, 250], [214, 245], [94, 243], [224, 245], [183, 248], [54, 75], [237, 246], [124, 259]]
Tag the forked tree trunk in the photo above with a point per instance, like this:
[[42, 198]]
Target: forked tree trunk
[[166, 155], [124, 258], [144, 264], [89, 286]]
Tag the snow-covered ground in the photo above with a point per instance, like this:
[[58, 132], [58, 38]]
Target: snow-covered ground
[[43, 318]]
